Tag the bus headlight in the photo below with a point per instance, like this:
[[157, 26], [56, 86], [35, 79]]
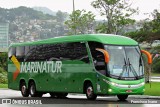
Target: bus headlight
[[109, 82], [110, 90], [114, 84], [124, 85], [142, 83]]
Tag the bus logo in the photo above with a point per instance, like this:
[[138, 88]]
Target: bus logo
[[36, 67], [129, 86], [17, 64]]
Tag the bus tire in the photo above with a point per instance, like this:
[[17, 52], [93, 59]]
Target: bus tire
[[122, 97], [90, 92], [32, 90], [23, 89]]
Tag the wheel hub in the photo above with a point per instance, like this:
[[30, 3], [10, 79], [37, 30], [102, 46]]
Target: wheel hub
[[32, 90], [23, 89], [89, 91]]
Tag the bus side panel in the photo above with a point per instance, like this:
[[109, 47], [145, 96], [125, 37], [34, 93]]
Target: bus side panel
[[12, 84], [49, 82], [71, 79], [76, 75]]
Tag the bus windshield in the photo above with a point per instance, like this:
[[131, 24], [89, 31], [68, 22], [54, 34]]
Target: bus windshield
[[125, 62]]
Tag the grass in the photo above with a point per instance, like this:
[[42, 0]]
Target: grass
[[3, 85], [152, 90]]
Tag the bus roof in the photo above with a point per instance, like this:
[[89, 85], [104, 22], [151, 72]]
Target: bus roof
[[102, 38]]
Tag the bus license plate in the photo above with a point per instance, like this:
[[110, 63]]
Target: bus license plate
[[129, 91]]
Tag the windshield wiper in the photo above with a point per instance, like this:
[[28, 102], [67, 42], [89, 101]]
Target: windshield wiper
[[124, 68], [132, 69]]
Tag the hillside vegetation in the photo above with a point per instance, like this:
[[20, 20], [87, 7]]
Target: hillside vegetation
[[3, 68]]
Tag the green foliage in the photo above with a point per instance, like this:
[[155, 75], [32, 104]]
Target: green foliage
[[3, 61], [156, 59], [26, 13], [61, 16], [156, 66], [3, 76], [139, 36], [24, 21], [150, 30], [80, 22], [117, 13], [101, 27], [3, 68]]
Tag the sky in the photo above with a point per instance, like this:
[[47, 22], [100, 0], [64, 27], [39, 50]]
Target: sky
[[145, 6]]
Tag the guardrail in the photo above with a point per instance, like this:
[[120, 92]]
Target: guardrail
[[155, 79]]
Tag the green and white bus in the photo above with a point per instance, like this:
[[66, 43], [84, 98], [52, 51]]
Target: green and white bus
[[92, 64]]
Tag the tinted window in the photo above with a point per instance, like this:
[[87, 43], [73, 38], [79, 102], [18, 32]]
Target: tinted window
[[26, 50], [20, 52], [12, 51], [78, 51], [54, 52], [31, 54], [93, 46], [98, 57], [64, 51]]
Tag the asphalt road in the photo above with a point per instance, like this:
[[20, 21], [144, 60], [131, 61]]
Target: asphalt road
[[79, 100]]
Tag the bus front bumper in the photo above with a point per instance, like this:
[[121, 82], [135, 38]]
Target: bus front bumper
[[126, 89], [136, 88]]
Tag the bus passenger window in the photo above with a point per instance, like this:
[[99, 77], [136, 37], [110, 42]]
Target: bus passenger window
[[99, 62], [51, 52], [12, 51], [26, 50], [78, 51], [31, 55], [20, 53], [40, 52], [98, 57]]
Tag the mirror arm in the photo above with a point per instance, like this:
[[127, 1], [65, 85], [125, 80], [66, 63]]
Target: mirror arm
[[106, 54], [149, 56]]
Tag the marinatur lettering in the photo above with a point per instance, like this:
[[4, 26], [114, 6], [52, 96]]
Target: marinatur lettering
[[41, 67], [144, 101]]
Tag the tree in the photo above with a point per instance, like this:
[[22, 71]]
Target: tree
[[3, 61], [80, 22], [150, 30], [61, 16], [117, 13]]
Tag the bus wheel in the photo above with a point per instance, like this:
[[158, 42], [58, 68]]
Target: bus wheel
[[33, 92], [122, 97], [90, 93], [24, 90]]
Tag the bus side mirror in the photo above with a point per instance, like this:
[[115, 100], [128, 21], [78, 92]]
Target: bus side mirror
[[149, 56], [106, 55]]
